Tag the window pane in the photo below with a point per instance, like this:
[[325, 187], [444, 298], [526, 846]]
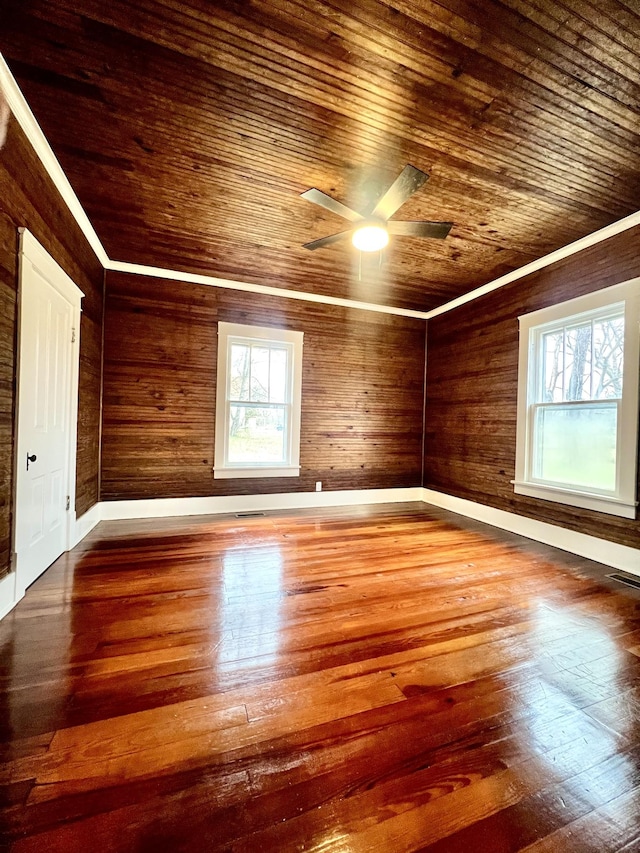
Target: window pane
[[553, 364], [259, 374], [577, 363], [576, 445], [256, 434], [278, 376], [239, 379], [608, 350]]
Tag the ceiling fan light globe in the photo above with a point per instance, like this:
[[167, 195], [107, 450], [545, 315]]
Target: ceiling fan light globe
[[370, 238]]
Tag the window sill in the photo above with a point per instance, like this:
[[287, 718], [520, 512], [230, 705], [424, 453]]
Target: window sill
[[582, 500], [233, 473]]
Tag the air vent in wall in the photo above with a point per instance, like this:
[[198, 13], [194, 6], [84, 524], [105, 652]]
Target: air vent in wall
[[249, 514]]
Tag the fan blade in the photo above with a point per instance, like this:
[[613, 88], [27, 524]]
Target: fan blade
[[438, 230], [326, 241], [324, 200], [404, 186]]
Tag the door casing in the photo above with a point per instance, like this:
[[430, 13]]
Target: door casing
[[31, 252]]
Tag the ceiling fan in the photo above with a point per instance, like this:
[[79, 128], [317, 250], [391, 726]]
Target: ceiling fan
[[371, 230]]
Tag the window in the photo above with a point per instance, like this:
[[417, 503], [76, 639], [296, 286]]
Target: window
[[577, 431], [258, 402]]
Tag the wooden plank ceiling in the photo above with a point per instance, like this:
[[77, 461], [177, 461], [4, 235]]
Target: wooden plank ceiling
[[189, 129]]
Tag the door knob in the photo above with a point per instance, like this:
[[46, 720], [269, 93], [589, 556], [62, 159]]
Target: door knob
[[31, 458]]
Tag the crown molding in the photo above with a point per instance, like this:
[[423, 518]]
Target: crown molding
[[302, 295], [29, 124], [547, 260], [27, 121]]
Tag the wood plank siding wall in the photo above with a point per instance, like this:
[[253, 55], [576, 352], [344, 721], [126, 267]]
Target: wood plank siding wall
[[28, 198], [362, 394], [472, 373]]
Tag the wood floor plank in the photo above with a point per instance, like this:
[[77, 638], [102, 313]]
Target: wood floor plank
[[386, 678]]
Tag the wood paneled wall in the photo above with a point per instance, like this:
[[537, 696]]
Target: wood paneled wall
[[362, 394], [472, 373], [28, 198]]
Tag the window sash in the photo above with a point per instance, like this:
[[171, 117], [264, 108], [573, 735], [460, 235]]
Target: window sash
[[255, 343], [286, 408], [608, 303], [535, 450], [251, 343], [537, 384], [566, 325], [265, 338], [257, 404]]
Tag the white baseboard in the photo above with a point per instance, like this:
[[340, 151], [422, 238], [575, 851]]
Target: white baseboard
[[612, 554], [601, 550], [85, 524], [9, 594], [164, 507]]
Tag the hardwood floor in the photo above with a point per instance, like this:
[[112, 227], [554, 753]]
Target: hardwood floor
[[384, 679]]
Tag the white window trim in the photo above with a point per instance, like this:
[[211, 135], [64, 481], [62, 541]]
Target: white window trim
[[624, 501], [266, 334]]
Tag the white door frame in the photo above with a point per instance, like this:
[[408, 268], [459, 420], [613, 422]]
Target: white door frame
[[31, 252]]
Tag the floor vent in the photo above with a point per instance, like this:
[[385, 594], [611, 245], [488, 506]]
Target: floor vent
[[625, 579], [249, 514]]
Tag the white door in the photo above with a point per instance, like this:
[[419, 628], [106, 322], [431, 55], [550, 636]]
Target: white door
[[48, 354]]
